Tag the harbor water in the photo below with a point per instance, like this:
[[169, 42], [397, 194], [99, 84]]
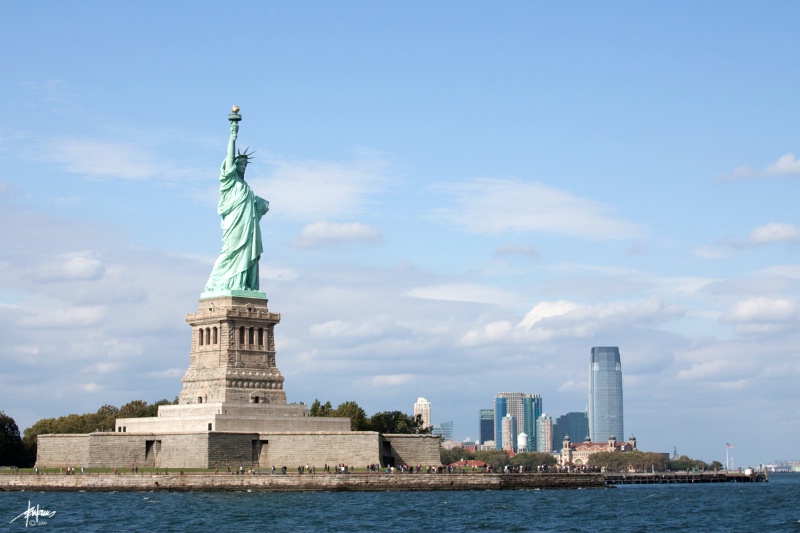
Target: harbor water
[[772, 506]]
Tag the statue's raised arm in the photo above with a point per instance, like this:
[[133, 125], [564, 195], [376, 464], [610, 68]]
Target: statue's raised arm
[[234, 118], [236, 268]]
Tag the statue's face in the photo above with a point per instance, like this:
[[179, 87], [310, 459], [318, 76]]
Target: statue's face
[[241, 165]]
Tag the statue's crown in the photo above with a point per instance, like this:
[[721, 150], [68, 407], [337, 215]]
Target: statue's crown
[[247, 156]]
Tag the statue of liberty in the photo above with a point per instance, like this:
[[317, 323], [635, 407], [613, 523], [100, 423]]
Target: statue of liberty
[[236, 268]]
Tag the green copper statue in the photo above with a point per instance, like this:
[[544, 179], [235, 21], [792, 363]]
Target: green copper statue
[[236, 268]]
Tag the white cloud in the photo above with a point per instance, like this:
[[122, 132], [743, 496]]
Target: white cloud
[[102, 367], [92, 387], [66, 317], [716, 251], [574, 386], [71, 267], [322, 234], [524, 250], [342, 328], [104, 159], [391, 380], [756, 316], [544, 310], [565, 318], [775, 232], [741, 173], [494, 206], [465, 292], [277, 273], [786, 165], [551, 321], [783, 370], [703, 370], [116, 160], [169, 373], [787, 271], [310, 190], [498, 331]]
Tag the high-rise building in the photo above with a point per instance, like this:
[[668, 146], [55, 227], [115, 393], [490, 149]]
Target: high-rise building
[[605, 394], [544, 434], [525, 409], [574, 425], [500, 411], [508, 430], [531, 410], [444, 430], [423, 408], [487, 426]]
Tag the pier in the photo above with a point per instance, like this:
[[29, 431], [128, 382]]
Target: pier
[[684, 477]]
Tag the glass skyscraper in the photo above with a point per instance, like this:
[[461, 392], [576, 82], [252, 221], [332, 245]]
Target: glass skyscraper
[[544, 434], [500, 410], [575, 425], [444, 430], [487, 425], [605, 394]]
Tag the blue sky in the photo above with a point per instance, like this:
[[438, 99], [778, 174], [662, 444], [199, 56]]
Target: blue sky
[[464, 199]]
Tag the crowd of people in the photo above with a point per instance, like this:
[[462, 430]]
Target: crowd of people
[[389, 469]]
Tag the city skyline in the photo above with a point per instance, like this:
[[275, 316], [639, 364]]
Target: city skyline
[[464, 198], [524, 409]]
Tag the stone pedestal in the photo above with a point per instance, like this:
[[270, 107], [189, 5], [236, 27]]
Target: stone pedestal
[[232, 358]]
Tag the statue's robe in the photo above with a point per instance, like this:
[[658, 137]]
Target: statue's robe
[[241, 210]]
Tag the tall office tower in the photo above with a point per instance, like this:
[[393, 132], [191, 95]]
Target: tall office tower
[[423, 408], [500, 411], [531, 411], [524, 408], [544, 434], [487, 426], [605, 394], [576, 425], [508, 430]]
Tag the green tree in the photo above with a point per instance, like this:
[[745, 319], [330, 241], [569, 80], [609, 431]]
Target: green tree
[[105, 417], [102, 420], [687, 463], [453, 455], [497, 458], [12, 452], [152, 410], [636, 461], [609, 461], [73, 423], [318, 409], [397, 422], [533, 460], [357, 416], [133, 409]]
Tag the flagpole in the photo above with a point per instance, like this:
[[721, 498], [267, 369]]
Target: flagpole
[[727, 447]]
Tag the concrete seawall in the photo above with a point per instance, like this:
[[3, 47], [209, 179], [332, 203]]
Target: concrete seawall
[[297, 483]]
